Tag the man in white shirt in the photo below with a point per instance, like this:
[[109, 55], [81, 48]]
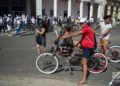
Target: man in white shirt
[[105, 33], [1, 24]]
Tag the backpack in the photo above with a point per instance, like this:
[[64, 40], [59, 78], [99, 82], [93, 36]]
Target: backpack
[[95, 45]]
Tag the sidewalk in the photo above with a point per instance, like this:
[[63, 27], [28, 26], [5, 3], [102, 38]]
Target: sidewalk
[[6, 80]]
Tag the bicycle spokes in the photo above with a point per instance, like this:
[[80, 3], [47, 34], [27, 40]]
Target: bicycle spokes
[[113, 54], [98, 63], [47, 63]]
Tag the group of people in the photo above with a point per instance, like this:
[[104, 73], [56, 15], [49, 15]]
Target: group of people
[[87, 41], [20, 23], [10, 23]]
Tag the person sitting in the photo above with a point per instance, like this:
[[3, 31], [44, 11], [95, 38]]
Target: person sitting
[[66, 43]]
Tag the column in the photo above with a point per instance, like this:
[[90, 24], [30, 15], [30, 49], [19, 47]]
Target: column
[[39, 7], [100, 11], [55, 8], [81, 9], [114, 12], [109, 10], [119, 13], [28, 7], [69, 8], [91, 11]]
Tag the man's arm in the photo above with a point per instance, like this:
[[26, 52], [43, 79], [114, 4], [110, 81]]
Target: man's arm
[[73, 34], [97, 27], [76, 33], [41, 32], [106, 32]]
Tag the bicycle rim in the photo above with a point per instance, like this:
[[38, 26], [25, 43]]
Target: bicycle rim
[[113, 54], [115, 80], [47, 63], [100, 63]]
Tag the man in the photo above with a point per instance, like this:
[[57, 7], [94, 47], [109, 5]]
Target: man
[[87, 43], [105, 33], [9, 24], [1, 24]]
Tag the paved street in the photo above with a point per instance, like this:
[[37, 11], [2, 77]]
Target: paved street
[[17, 64]]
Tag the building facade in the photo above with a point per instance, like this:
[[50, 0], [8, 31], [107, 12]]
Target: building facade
[[73, 8], [64, 8]]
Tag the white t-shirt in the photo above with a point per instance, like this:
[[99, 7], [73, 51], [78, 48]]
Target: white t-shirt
[[18, 21], [105, 27], [33, 20], [1, 20]]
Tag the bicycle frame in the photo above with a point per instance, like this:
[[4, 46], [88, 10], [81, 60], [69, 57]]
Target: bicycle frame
[[70, 65], [114, 53]]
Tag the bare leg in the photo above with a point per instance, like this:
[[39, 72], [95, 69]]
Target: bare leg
[[42, 48], [104, 49], [38, 48], [85, 70]]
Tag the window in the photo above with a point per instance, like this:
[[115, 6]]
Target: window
[[43, 12], [51, 12]]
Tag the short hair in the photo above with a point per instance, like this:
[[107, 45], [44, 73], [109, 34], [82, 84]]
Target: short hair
[[107, 16], [68, 28], [88, 22]]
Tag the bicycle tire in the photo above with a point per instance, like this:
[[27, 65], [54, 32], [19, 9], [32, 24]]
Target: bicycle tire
[[46, 63], [114, 56], [115, 80], [100, 63]]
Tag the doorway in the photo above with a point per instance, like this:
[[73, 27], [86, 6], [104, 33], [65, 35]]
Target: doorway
[[65, 14]]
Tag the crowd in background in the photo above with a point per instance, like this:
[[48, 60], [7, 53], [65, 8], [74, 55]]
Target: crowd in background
[[24, 22], [18, 23]]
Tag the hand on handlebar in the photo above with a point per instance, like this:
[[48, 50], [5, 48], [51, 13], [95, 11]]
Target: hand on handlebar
[[64, 36]]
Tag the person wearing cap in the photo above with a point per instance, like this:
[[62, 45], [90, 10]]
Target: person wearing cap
[[87, 43]]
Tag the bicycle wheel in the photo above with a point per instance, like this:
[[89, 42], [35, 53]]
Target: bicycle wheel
[[98, 63], [47, 63], [113, 54], [115, 79]]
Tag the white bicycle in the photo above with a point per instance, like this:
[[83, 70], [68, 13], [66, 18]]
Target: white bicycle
[[49, 63], [115, 79], [113, 54]]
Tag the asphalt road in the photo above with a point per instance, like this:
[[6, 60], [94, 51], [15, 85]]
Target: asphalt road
[[17, 64]]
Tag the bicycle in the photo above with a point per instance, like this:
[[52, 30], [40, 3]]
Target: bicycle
[[115, 79], [48, 63], [113, 53]]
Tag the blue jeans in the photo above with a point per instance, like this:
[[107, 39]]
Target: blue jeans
[[18, 30]]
